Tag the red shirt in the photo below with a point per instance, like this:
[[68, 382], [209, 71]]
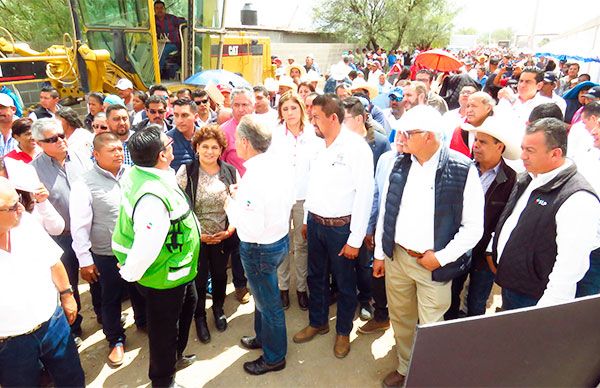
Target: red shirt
[[19, 155]]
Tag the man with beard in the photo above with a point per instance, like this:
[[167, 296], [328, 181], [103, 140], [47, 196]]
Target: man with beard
[[338, 204], [117, 119]]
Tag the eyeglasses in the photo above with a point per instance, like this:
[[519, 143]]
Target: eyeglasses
[[14, 207], [201, 102], [164, 147], [408, 134], [98, 126], [154, 111], [53, 139]]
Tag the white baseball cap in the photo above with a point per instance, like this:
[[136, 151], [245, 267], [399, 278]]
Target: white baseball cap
[[124, 84], [5, 100]]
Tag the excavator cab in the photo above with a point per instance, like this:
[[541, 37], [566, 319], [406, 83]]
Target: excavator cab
[[192, 39]]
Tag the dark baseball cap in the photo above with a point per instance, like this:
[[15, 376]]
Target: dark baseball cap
[[593, 93], [549, 77]]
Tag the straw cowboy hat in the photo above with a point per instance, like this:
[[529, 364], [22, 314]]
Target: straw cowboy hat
[[501, 131], [301, 69], [360, 83]]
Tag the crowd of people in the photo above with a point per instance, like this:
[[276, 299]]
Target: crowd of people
[[398, 193]]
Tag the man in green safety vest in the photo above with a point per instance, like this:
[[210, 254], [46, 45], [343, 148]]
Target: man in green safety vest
[[157, 241]]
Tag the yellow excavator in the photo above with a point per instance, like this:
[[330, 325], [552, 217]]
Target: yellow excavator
[[115, 39]]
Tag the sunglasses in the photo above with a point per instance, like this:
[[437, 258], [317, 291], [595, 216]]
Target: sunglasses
[[53, 139], [14, 207], [394, 98], [201, 102], [154, 111], [98, 126]]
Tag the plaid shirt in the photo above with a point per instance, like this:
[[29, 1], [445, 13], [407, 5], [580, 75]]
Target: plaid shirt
[[126, 157], [169, 28]]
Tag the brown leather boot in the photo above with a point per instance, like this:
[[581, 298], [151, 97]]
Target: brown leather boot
[[342, 346], [393, 380], [309, 333]]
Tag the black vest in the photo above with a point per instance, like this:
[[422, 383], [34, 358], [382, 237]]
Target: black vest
[[450, 180], [42, 113], [530, 252]]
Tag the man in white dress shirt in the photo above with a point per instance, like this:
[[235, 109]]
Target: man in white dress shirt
[[549, 226], [260, 211], [337, 207], [431, 215]]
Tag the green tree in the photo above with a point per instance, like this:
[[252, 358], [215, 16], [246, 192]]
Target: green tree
[[40, 23], [356, 20], [390, 23]]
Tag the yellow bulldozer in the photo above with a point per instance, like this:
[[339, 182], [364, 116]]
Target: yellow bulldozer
[[114, 39]]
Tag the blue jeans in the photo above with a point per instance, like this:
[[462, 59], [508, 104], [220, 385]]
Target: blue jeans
[[481, 282], [324, 245], [514, 300], [260, 262], [364, 274], [52, 345], [113, 286], [590, 284], [69, 260]]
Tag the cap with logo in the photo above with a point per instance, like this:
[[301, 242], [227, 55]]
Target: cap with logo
[[593, 93]]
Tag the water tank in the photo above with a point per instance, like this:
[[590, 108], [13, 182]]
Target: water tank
[[249, 15]]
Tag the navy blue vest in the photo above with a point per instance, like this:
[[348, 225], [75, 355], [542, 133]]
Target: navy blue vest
[[530, 253], [450, 180]]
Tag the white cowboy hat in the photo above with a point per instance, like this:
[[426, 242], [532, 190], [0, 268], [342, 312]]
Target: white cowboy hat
[[284, 80], [360, 83], [271, 84], [312, 76], [339, 72], [499, 129]]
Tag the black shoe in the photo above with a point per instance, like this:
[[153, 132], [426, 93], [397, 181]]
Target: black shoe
[[285, 299], [250, 343], [260, 366], [302, 300], [220, 320], [202, 330], [184, 361]]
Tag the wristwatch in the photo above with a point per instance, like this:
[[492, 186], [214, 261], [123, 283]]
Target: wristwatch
[[68, 290]]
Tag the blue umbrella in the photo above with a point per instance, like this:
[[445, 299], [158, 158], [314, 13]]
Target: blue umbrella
[[222, 77], [572, 93]]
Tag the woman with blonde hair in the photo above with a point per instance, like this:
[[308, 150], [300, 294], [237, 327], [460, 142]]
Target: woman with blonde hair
[[296, 139]]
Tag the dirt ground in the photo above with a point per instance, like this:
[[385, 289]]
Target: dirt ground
[[219, 363]]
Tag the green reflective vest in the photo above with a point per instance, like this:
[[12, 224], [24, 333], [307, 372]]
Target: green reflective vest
[[177, 261]]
